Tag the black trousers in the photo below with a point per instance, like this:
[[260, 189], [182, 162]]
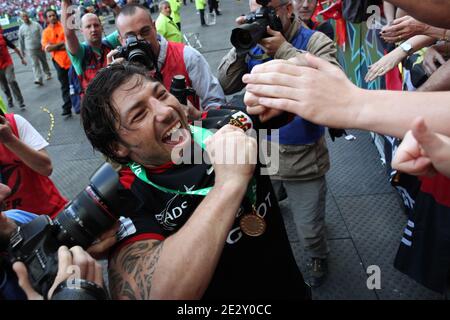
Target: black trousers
[[63, 77], [202, 16], [213, 6]]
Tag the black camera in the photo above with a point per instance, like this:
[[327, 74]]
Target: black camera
[[138, 51], [92, 212], [179, 89], [246, 36]]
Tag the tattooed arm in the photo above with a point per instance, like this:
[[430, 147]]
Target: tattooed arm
[[182, 266], [131, 270]]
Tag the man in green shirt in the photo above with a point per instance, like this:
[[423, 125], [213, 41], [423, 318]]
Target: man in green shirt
[[165, 24], [200, 6], [90, 56], [175, 6]]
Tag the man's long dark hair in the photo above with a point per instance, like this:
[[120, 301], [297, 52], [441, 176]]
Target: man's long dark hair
[[99, 117]]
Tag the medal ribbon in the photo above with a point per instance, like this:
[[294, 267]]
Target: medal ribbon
[[200, 135]]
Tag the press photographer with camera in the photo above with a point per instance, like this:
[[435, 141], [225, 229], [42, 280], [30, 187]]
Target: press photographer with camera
[[166, 59], [271, 31], [89, 269], [201, 230], [89, 221]]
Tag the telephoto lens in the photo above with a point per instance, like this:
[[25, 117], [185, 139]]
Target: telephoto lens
[[178, 88], [91, 213]]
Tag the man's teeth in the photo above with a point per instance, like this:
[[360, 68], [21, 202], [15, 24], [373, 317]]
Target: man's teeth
[[172, 131]]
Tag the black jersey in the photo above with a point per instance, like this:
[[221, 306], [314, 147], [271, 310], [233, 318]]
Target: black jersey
[[424, 252], [249, 267]]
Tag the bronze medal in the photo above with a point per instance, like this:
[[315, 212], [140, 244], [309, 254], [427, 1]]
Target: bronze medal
[[252, 225]]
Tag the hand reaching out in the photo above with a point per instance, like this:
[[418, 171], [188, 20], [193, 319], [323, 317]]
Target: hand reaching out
[[423, 152]]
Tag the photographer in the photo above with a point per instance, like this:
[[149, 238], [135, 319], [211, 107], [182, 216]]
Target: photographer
[[199, 231], [88, 269], [290, 86], [304, 158], [170, 58]]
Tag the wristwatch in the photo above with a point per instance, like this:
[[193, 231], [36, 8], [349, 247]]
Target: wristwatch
[[407, 48]]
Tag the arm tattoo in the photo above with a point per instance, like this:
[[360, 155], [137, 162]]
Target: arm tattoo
[[131, 270]]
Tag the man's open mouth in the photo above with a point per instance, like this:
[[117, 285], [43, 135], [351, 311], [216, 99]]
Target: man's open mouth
[[175, 135]]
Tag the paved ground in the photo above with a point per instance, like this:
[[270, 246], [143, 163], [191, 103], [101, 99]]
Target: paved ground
[[364, 215]]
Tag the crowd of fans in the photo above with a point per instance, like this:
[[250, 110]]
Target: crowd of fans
[[35, 9]]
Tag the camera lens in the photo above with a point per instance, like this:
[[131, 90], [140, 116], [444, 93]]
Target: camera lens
[[139, 56], [83, 220], [247, 36], [92, 212]]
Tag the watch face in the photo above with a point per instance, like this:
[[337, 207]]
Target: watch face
[[406, 46]]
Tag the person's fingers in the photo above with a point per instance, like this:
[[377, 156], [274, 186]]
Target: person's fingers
[[22, 274], [372, 74], [240, 20], [64, 262], [432, 67], [118, 61], [80, 260], [391, 39], [393, 29], [428, 67], [273, 91], [250, 100], [274, 77], [282, 104], [429, 141], [400, 20], [4, 191], [256, 110], [271, 32], [419, 167], [110, 56], [269, 114], [440, 58]]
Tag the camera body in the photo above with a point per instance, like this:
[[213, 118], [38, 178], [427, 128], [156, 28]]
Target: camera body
[[92, 212], [247, 36], [137, 51]]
